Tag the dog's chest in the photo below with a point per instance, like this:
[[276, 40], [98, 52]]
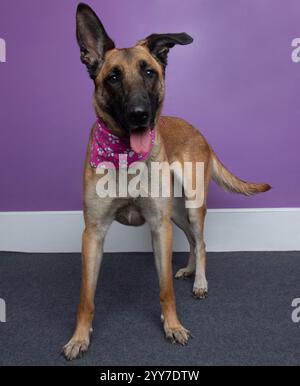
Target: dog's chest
[[125, 196]]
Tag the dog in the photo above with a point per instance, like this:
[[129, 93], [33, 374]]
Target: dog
[[128, 98]]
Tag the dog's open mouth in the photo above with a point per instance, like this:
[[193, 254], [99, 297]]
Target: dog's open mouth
[[140, 140]]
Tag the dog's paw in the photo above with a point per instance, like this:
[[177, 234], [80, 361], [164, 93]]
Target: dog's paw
[[75, 348], [200, 293], [183, 273], [179, 335]]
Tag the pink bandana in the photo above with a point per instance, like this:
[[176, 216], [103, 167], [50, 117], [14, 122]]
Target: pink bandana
[[109, 149]]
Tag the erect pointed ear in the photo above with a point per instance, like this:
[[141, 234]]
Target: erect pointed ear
[[92, 39], [160, 44]]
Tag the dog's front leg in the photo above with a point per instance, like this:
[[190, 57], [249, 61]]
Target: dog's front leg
[[162, 245], [92, 252]]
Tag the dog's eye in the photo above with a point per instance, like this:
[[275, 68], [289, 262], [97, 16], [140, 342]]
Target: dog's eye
[[113, 78], [150, 73]]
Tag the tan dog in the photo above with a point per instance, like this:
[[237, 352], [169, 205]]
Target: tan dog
[[129, 92]]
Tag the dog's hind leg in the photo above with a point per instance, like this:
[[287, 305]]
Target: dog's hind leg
[[92, 252], [192, 221], [180, 218]]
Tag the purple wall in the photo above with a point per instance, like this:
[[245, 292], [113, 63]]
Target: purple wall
[[237, 83]]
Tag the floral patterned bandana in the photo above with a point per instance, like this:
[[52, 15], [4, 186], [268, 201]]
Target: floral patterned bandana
[[109, 150]]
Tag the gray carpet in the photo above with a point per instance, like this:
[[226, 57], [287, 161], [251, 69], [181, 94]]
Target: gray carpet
[[246, 319]]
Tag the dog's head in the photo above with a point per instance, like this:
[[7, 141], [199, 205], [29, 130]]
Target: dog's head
[[129, 82]]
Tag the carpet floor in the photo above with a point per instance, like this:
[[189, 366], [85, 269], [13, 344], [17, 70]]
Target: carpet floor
[[246, 319]]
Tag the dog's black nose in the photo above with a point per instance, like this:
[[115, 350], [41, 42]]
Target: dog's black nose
[[138, 115]]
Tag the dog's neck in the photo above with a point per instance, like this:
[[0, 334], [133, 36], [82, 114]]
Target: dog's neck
[[110, 151]]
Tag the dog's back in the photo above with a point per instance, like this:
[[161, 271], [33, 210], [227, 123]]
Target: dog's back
[[185, 143]]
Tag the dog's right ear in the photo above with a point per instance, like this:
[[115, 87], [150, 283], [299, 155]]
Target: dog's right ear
[[92, 39]]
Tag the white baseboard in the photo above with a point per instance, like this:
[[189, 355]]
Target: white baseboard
[[272, 229]]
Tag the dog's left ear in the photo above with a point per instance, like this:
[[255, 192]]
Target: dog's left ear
[[160, 44], [92, 38]]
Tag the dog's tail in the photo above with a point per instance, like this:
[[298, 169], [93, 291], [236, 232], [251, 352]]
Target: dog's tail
[[229, 182]]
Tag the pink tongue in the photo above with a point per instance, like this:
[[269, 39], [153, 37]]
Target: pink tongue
[[140, 141]]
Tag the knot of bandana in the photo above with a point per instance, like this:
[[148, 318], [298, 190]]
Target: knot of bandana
[[108, 149]]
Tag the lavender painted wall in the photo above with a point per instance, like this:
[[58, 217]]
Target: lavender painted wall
[[237, 83]]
